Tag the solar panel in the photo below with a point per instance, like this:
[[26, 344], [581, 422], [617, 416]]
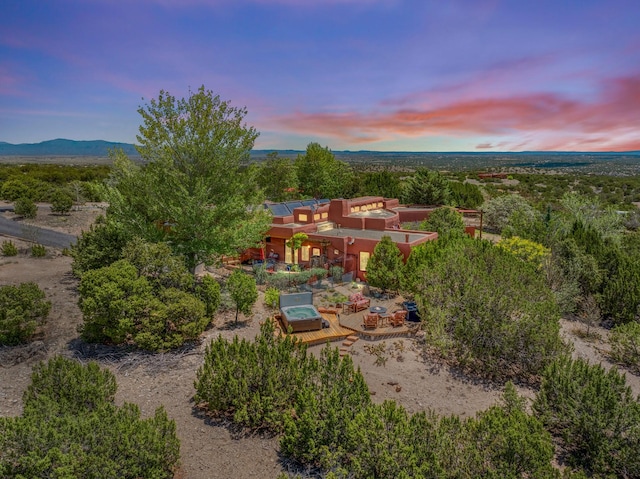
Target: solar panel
[[279, 209]]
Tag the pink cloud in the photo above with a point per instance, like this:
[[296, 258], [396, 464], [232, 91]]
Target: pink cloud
[[601, 124]]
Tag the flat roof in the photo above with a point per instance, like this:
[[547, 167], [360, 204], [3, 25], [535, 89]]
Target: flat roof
[[396, 236], [378, 213]]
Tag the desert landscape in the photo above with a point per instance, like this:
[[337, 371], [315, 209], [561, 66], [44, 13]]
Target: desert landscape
[[209, 449]]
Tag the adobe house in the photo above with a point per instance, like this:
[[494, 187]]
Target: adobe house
[[342, 232]]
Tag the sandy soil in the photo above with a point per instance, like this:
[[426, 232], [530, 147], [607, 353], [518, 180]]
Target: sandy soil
[[209, 450]]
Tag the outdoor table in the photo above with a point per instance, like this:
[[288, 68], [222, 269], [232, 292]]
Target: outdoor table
[[347, 307], [381, 311]]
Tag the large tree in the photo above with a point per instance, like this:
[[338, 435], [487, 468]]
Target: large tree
[[192, 190], [277, 178], [320, 174], [427, 187], [384, 269]]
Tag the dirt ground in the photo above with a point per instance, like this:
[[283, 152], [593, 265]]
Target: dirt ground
[[209, 450]]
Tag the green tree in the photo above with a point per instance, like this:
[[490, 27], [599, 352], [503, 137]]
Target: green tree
[[445, 221], [22, 309], [427, 187], [192, 191], [278, 179], [594, 414], [243, 291], [380, 183], [100, 246], [70, 427], [511, 211], [121, 304], [625, 345], [465, 195], [491, 314], [320, 174], [61, 201], [295, 243], [384, 268], [25, 207]]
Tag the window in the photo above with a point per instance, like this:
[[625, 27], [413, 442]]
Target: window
[[302, 217], [325, 215], [304, 253], [315, 252], [316, 217], [364, 260], [287, 255]]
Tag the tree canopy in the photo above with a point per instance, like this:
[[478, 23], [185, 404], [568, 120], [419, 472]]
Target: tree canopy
[[427, 187], [192, 190], [320, 174]]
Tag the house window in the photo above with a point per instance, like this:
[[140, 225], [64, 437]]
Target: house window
[[379, 205], [335, 251], [302, 217], [304, 253], [325, 215], [356, 208], [315, 252], [364, 260], [287, 255], [316, 217]]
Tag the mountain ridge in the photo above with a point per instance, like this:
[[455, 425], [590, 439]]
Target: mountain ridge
[[65, 147]]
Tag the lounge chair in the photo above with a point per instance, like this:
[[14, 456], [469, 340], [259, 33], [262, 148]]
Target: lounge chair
[[371, 321], [398, 317]]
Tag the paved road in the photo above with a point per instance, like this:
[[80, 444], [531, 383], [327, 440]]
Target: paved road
[[35, 234]]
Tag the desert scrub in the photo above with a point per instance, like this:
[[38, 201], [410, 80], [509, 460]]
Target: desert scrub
[[22, 309], [272, 297], [38, 251], [625, 345], [9, 249]]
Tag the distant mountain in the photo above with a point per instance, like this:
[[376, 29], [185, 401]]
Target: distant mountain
[[61, 147]]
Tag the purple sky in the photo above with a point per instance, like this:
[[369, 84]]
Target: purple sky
[[413, 75]]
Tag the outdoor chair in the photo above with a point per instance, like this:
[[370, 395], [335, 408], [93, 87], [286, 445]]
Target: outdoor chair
[[359, 302], [371, 321], [398, 317]]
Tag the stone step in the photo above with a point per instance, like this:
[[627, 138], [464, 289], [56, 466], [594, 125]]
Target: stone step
[[353, 338], [347, 343]]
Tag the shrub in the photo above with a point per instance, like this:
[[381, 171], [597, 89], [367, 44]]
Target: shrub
[[445, 221], [61, 201], [120, 305], [272, 297], [243, 291], [100, 246], [38, 251], [70, 427], [625, 345], [492, 315], [25, 207], [22, 309], [8, 248], [594, 414], [526, 250], [208, 290], [385, 265], [336, 273]]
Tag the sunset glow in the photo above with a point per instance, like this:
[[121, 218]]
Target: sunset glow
[[403, 75]]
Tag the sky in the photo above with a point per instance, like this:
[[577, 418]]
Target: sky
[[387, 75]]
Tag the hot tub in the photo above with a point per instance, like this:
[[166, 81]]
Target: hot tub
[[301, 318]]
